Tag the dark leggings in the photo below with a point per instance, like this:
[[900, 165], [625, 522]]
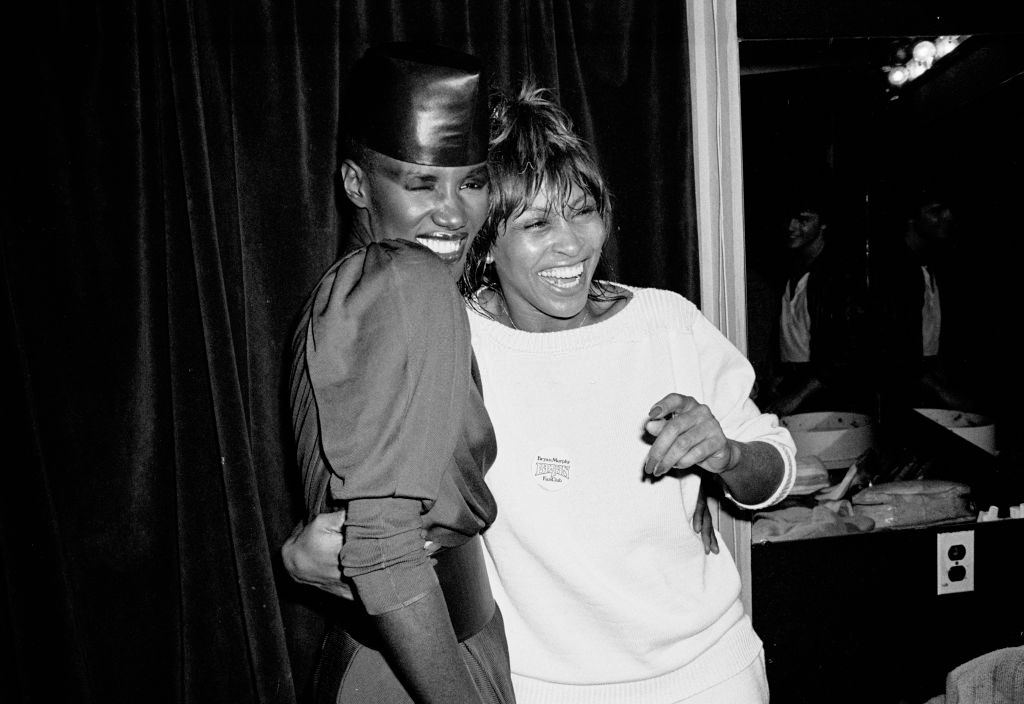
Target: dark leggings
[[352, 673]]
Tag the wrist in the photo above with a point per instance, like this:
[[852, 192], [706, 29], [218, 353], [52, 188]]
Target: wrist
[[735, 455]]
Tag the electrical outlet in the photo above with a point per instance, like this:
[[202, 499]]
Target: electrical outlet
[[955, 562]]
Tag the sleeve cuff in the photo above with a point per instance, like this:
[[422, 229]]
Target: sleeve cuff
[[384, 555], [384, 591], [785, 486]]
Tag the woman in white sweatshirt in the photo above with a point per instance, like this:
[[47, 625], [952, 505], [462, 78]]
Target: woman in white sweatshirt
[[608, 403]]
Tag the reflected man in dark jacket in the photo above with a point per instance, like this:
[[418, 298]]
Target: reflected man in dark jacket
[[820, 328]]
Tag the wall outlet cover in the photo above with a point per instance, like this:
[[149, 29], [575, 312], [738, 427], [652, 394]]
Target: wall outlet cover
[[955, 562]]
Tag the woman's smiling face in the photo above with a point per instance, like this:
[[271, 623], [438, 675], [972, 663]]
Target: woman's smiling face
[[545, 260], [442, 208]]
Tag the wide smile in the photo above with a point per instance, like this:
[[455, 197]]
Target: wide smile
[[564, 278], [448, 246]]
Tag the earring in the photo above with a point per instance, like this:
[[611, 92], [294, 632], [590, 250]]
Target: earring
[[489, 259]]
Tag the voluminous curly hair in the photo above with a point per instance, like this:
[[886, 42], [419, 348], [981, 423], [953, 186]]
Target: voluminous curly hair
[[533, 149]]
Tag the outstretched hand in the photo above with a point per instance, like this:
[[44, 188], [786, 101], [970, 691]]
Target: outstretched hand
[[311, 554], [686, 434]]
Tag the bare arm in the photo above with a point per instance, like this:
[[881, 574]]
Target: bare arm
[[418, 639], [385, 557], [687, 434], [419, 642], [753, 472]]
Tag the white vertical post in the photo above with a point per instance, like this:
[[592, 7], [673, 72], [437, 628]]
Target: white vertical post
[[718, 166]]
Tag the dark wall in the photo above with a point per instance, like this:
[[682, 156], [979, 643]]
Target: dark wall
[[856, 618], [818, 112], [170, 182], [761, 19]]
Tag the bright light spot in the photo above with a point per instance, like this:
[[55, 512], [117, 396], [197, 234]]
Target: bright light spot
[[945, 44], [898, 75], [924, 51]]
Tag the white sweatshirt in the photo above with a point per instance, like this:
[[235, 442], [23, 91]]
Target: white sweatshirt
[[605, 589]]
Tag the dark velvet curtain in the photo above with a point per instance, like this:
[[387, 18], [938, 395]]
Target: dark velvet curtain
[[170, 201]]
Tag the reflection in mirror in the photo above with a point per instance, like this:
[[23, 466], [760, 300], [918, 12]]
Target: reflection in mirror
[[883, 221]]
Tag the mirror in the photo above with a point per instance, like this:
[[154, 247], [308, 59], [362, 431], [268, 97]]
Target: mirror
[[936, 159]]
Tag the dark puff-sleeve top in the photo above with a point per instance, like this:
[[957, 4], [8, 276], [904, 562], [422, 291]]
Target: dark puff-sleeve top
[[389, 418]]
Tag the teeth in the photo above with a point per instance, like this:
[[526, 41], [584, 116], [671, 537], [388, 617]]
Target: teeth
[[440, 246], [563, 276], [564, 272]]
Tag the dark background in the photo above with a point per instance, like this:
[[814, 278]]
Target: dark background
[[820, 116], [856, 618], [169, 202]]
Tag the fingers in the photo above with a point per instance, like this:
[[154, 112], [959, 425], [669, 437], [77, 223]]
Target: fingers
[[702, 523], [332, 522], [699, 511], [667, 420], [669, 405], [682, 455], [291, 553], [686, 434], [708, 537], [310, 554]]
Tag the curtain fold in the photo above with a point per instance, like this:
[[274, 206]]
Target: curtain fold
[[171, 201]]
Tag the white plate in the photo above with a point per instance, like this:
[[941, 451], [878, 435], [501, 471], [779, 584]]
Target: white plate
[[974, 427], [835, 437]]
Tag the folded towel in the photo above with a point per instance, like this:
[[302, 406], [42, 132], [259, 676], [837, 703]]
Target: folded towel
[[798, 522]]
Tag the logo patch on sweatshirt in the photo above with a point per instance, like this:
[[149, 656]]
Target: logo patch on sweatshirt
[[552, 469]]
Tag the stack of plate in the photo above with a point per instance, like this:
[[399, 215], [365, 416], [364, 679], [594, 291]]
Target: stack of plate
[[834, 437]]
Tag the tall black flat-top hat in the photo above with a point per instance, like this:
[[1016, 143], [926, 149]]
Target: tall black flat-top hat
[[419, 103]]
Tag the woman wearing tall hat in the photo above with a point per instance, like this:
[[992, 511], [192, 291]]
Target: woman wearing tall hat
[[386, 403], [609, 596]]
